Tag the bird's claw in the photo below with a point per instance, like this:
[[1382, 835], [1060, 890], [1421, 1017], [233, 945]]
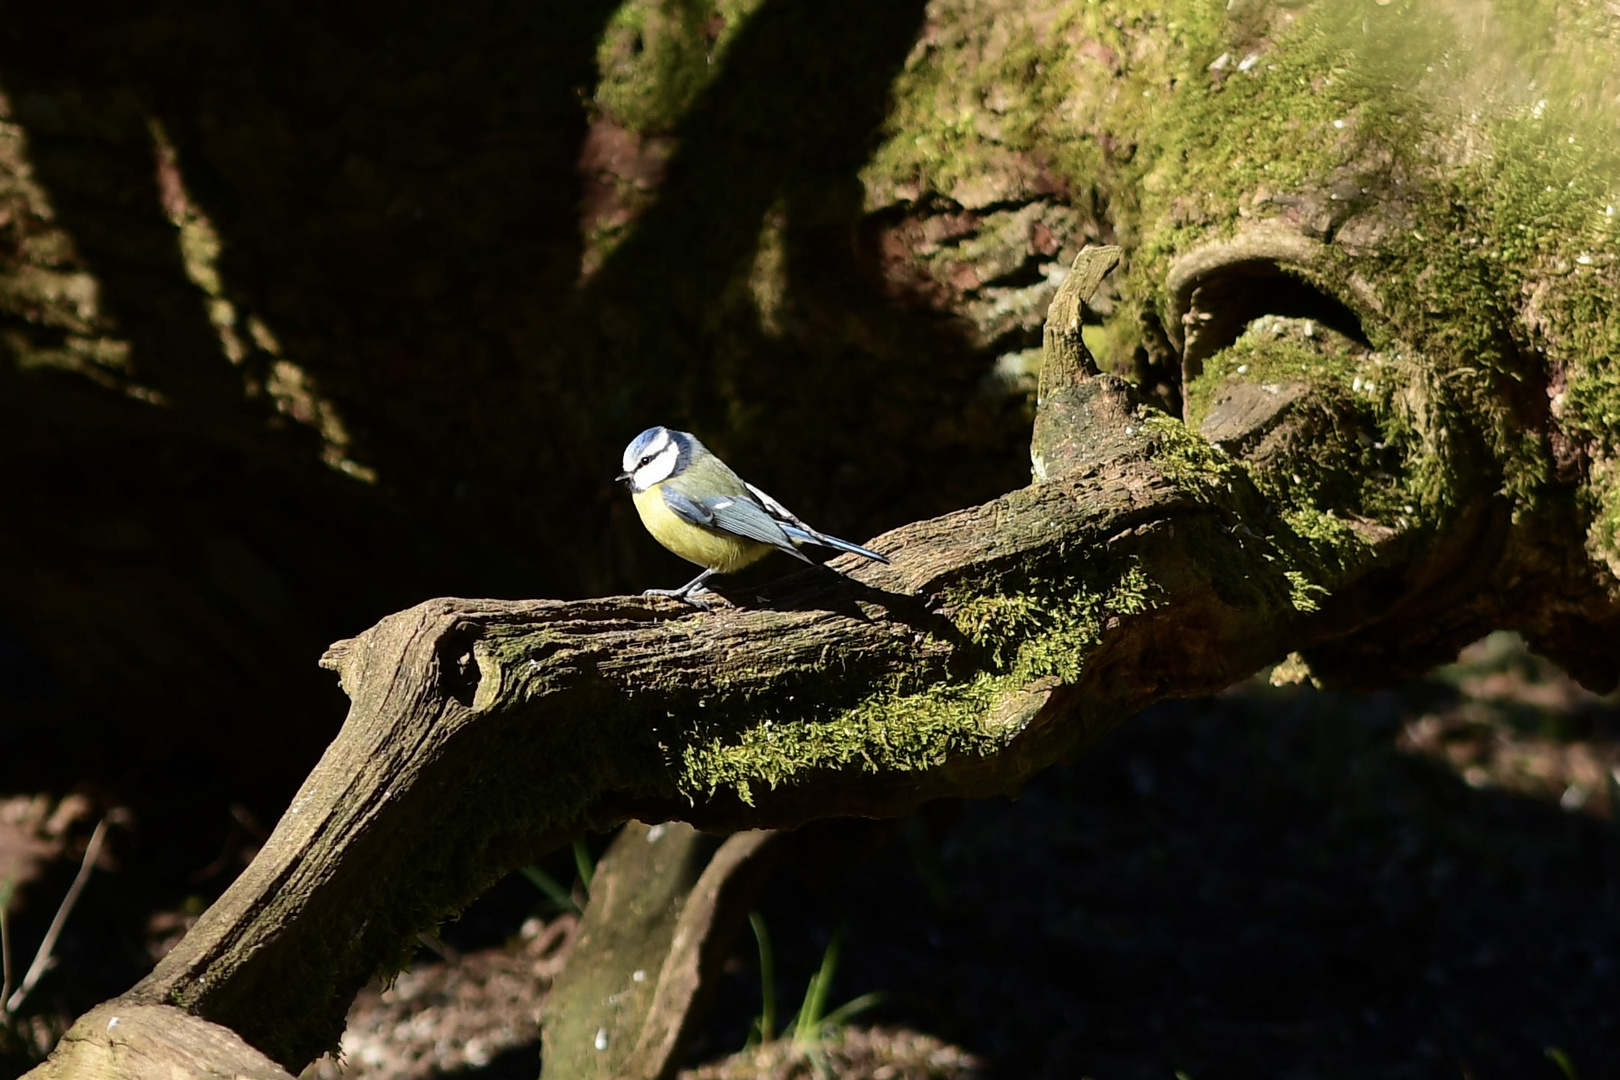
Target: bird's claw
[[695, 597]]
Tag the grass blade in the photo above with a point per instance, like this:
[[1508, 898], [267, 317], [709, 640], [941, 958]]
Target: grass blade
[[551, 887], [767, 978], [807, 1027], [584, 864], [851, 1009]]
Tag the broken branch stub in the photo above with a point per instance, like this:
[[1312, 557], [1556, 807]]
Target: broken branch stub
[[1081, 416]]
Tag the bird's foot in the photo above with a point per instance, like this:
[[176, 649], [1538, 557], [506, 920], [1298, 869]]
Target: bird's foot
[[697, 597]]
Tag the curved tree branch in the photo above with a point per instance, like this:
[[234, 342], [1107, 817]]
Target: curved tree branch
[[1003, 638]]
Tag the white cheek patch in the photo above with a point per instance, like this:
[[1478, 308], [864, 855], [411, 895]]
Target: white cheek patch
[[635, 451], [659, 469]]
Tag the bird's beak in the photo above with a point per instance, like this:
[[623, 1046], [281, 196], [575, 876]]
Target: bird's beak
[[623, 478]]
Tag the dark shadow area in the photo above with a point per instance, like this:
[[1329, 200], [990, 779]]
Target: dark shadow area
[[1258, 884], [823, 588], [180, 558], [1225, 301]]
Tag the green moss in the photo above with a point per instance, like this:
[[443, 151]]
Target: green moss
[[1316, 106], [1592, 396], [1321, 529], [1303, 591], [1188, 458], [1036, 631], [657, 55], [1348, 443], [1260, 361], [979, 90], [1605, 533], [1323, 548], [1530, 218], [1029, 636], [886, 732], [1313, 544], [1309, 546], [1552, 199], [1354, 95], [1233, 113]]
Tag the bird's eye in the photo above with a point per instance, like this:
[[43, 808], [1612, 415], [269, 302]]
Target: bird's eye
[[644, 460]]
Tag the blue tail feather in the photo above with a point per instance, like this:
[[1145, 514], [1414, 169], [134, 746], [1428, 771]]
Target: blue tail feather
[[824, 540]]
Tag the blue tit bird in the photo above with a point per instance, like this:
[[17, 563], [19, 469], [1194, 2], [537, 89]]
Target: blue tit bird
[[695, 506]]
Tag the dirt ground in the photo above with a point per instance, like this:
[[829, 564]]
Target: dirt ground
[[1276, 882]]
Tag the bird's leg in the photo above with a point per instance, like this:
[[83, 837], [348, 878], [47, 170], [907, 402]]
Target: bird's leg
[[691, 592]]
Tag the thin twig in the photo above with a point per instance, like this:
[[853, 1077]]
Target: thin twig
[[6, 889], [42, 959]]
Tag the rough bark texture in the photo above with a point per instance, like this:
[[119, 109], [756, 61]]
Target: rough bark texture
[[1370, 253]]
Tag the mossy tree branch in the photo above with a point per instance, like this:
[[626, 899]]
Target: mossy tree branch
[[1003, 638]]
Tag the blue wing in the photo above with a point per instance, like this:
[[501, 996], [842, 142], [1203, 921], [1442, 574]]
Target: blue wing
[[740, 516], [803, 533]]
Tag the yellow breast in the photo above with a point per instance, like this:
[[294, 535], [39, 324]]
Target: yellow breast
[[712, 549]]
